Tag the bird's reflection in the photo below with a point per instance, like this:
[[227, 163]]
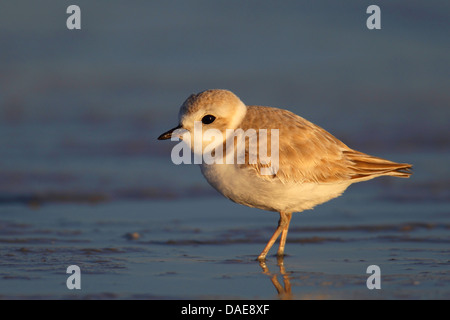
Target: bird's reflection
[[284, 293]]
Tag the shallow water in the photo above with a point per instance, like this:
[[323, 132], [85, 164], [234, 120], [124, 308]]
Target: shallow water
[[205, 248], [83, 180]]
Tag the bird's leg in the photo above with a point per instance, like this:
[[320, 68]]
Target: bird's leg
[[282, 224], [284, 232]]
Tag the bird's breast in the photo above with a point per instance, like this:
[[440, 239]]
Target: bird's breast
[[245, 187]]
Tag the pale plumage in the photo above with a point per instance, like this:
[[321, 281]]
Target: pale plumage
[[313, 166], [308, 153]]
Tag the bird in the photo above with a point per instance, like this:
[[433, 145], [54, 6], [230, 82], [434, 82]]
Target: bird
[[312, 166]]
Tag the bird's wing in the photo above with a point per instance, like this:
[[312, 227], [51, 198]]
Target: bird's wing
[[306, 152]]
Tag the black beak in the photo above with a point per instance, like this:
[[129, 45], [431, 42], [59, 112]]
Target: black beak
[[168, 134]]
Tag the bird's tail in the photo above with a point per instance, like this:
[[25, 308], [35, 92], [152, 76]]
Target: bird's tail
[[365, 167]]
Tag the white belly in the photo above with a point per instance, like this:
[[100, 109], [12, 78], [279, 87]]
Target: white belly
[[245, 187]]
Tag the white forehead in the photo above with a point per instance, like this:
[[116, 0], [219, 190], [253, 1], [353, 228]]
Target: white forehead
[[219, 103]]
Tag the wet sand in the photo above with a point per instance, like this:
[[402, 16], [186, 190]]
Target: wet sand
[[205, 248], [83, 180]]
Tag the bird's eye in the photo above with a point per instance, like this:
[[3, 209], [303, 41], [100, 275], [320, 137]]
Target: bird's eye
[[208, 119]]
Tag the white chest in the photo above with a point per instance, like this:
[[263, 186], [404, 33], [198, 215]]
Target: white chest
[[244, 186]]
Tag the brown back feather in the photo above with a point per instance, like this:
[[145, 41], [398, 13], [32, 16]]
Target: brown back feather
[[308, 153]]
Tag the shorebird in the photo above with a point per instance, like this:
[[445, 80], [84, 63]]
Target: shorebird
[[312, 166]]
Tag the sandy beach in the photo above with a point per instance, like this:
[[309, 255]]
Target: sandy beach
[[83, 180]]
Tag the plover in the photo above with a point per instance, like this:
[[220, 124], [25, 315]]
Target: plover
[[312, 165]]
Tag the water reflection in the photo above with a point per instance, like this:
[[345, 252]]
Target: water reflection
[[284, 292]]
